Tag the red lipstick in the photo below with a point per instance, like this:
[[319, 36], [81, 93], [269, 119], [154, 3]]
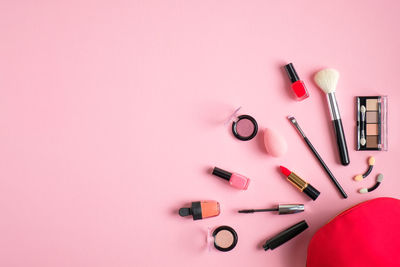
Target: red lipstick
[[302, 185], [298, 86], [285, 171]]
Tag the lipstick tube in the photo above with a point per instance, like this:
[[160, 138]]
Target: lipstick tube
[[302, 185]]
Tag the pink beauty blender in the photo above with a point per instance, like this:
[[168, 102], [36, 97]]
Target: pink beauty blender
[[274, 143]]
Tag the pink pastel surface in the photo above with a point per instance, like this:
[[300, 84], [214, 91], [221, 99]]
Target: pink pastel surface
[[112, 112]]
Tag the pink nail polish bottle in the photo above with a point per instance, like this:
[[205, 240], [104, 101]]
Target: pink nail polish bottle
[[236, 180]]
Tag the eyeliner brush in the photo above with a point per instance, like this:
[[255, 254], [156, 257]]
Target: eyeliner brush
[[333, 179]]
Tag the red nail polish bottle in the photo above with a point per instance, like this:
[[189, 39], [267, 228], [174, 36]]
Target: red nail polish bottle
[[298, 86]]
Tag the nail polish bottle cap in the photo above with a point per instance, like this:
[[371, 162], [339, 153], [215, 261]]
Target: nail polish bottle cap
[[194, 210], [291, 73], [222, 173]]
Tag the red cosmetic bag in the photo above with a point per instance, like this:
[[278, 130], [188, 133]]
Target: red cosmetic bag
[[366, 235]]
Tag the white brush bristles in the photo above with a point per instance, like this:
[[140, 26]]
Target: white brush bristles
[[327, 80], [380, 178]]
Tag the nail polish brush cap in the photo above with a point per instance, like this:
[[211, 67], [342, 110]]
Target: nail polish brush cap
[[222, 173], [194, 210], [290, 208], [292, 73], [285, 235]]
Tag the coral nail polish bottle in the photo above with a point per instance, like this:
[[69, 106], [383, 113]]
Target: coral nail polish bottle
[[298, 86], [201, 210], [236, 180]]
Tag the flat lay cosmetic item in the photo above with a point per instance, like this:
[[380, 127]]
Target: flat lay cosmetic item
[[302, 185], [236, 180], [244, 127], [274, 143], [372, 126], [371, 162], [201, 210], [224, 238], [281, 209], [285, 235], [298, 86], [327, 80], [316, 154], [379, 179]]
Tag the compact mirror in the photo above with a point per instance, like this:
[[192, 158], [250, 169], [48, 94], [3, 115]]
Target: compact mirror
[[224, 238], [244, 127]]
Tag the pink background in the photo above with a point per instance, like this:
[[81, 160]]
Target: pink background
[[111, 116]]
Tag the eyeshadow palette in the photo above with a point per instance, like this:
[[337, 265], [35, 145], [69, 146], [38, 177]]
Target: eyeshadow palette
[[372, 123]]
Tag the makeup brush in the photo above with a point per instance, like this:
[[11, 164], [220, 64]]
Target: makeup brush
[[314, 151], [362, 139], [327, 80]]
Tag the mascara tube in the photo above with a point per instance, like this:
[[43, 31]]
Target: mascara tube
[[285, 235]]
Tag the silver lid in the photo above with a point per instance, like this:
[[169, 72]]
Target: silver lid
[[290, 208]]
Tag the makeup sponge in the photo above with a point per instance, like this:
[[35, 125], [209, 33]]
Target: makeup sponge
[[274, 143]]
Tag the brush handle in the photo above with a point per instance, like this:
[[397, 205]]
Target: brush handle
[[341, 142], [362, 126], [327, 170], [337, 125]]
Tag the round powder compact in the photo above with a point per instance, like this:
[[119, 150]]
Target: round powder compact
[[244, 127], [225, 238]]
